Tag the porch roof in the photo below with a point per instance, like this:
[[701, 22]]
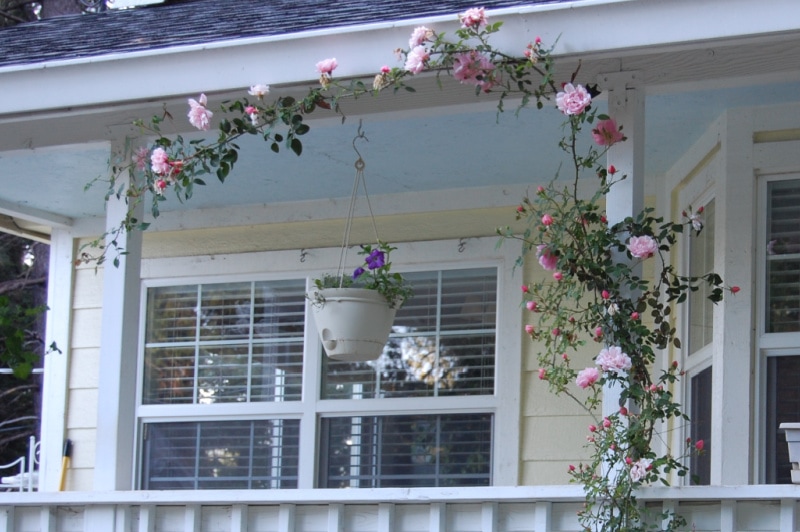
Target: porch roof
[[60, 113], [192, 22]]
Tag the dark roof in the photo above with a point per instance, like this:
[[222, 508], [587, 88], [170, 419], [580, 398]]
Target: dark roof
[[200, 21]]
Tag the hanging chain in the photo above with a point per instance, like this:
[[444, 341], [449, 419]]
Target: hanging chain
[[359, 180]]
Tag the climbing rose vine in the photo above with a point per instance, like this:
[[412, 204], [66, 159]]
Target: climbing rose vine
[[593, 292]]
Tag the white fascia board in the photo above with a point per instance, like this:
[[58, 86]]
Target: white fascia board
[[581, 28]]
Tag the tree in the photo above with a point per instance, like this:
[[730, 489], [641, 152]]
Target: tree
[[23, 296], [16, 11]]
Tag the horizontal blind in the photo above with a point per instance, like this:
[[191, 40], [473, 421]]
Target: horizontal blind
[[226, 342], [783, 257], [221, 454], [406, 451], [442, 342]]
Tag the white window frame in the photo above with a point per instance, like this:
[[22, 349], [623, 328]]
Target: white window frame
[[767, 344], [695, 193], [504, 404]]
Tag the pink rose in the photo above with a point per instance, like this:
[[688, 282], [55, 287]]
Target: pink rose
[[587, 377], [531, 305], [606, 133], [473, 18], [547, 259], [199, 116], [327, 66], [642, 247], [473, 68], [606, 423], [699, 445], [259, 90], [613, 359], [639, 469], [529, 329], [558, 276], [547, 220], [415, 62], [542, 374], [419, 36], [159, 162], [140, 158], [159, 186], [574, 100]]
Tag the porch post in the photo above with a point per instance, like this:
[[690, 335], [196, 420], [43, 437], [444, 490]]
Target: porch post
[[626, 198], [61, 279], [732, 356], [118, 354]]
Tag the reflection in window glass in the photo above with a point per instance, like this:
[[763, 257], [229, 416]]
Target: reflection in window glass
[[406, 451], [783, 406], [243, 342], [221, 454], [443, 343], [701, 262]]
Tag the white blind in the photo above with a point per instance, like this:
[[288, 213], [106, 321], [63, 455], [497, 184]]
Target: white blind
[[442, 343], [221, 454], [783, 256], [406, 451], [232, 342]]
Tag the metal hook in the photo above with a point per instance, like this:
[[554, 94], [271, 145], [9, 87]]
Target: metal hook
[[303, 254], [359, 135], [462, 245]]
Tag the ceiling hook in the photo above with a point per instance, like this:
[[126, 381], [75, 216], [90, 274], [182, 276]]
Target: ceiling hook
[[303, 255], [462, 245]]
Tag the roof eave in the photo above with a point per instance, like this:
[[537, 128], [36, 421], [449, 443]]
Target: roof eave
[[581, 28]]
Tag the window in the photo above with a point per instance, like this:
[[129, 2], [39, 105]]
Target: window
[[236, 391], [701, 262], [700, 464], [783, 256], [780, 343], [699, 341]]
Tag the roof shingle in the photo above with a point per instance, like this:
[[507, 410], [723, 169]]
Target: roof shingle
[[202, 21]]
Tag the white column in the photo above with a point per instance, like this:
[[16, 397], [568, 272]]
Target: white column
[[56, 365], [118, 357], [732, 351], [626, 198]]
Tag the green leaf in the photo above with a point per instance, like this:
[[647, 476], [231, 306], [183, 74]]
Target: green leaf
[[297, 146]]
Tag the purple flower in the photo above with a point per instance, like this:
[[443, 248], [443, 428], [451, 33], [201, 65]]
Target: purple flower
[[376, 259], [357, 273]]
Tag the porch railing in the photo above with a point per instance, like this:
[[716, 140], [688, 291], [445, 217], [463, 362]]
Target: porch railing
[[495, 509]]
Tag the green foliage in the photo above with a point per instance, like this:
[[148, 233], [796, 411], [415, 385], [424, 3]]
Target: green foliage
[[597, 294], [373, 274]]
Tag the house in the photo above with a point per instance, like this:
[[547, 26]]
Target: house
[[195, 395]]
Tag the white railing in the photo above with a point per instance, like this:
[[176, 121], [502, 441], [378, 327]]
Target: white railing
[[495, 509]]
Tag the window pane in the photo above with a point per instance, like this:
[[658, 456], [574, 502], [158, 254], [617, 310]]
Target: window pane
[[169, 375], [443, 343], [171, 314], [783, 406], [700, 465], [701, 262], [221, 454], [783, 256], [246, 345], [406, 451]]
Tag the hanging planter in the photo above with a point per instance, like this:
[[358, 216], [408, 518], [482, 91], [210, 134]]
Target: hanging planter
[[353, 323], [354, 312], [793, 441]]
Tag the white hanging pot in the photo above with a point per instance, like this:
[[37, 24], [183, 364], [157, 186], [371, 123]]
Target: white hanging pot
[[353, 323], [793, 441]]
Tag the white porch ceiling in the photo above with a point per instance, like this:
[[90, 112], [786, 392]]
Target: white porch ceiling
[[452, 148]]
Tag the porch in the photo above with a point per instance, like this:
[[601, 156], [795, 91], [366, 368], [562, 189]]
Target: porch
[[487, 509]]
